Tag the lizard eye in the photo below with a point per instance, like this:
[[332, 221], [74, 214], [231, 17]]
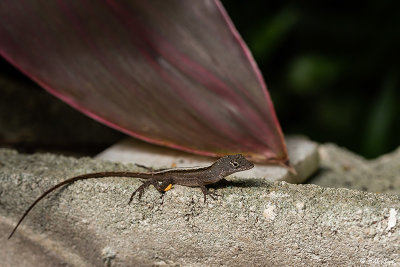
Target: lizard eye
[[235, 164]]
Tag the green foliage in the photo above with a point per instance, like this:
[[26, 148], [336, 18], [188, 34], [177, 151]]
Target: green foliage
[[332, 67]]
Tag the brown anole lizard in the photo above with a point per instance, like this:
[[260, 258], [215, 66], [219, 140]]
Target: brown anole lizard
[[163, 180]]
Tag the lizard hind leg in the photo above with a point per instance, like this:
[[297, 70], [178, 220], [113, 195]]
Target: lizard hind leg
[[141, 189], [162, 188]]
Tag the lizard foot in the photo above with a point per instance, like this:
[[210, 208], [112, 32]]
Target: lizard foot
[[140, 190], [161, 188], [206, 192]]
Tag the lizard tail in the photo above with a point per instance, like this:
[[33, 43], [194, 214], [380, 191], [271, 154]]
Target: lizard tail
[[76, 178]]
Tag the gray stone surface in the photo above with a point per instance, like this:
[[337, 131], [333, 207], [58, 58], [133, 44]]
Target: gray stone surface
[[303, 155], [342, 168], [255, 222]]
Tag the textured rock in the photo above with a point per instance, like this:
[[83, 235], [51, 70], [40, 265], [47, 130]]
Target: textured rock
[[303, 155], [342, 168], [255, 222]]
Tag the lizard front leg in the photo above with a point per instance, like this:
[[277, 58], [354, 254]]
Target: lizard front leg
[[206, 192]]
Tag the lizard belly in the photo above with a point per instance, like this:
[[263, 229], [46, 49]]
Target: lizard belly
[[191, 182]]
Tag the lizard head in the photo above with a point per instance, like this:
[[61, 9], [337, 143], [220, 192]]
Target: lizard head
[[233, 163]]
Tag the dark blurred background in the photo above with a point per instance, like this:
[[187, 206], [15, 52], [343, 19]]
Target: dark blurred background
[[332, 69]]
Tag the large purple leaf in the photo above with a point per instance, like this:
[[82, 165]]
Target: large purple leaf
[[174, 73]]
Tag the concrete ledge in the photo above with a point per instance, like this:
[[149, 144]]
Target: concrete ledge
[[255, 222]]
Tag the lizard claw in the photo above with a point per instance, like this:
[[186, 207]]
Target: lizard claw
[[131, 198], [212, 195]]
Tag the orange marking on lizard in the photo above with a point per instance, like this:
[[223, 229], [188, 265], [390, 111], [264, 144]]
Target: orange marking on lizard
[[168, 187]]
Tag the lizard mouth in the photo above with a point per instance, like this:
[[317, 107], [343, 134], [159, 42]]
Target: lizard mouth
[[248, 166]]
